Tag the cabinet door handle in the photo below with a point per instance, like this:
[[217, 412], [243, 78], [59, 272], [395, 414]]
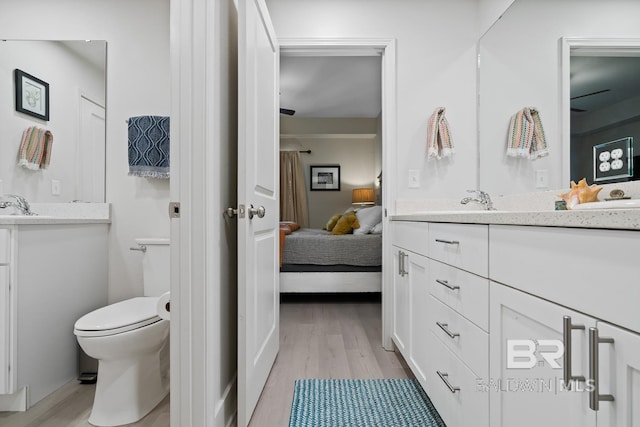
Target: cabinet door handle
[[594, 370], [444, 377], [445, 328], [404, 271], [567, 327], [448, 242], [446, 284], [400, 258]]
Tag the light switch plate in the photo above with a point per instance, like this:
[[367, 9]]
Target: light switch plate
[[414, 178], [542, 178], [55, 187]]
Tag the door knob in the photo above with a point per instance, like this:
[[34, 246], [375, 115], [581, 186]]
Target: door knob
[[260, 211]]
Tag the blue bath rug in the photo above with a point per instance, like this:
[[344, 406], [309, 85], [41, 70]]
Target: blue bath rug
[[362, 403]]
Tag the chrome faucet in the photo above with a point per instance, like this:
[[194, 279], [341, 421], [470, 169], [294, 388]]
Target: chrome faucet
[[481, 197], [20, 203]]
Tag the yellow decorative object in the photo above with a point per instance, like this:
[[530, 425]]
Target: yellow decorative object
[[580, 193], [346, 224]]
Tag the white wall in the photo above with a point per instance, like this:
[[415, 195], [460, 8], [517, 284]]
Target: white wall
[[67, 75], [489, 11], [436, 45], [138, 82]]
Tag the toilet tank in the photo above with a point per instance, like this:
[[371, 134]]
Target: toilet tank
[[155, 266]]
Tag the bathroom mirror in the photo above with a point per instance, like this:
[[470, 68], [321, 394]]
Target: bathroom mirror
[[75, 72], [520, 65]]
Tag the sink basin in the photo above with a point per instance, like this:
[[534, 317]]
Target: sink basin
[[611, 204]]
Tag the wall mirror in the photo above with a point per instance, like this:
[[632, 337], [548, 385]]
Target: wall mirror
[[75, 74], [521, 65]]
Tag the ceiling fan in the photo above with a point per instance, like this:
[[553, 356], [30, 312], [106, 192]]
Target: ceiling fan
[[287, 112], [580, 110]]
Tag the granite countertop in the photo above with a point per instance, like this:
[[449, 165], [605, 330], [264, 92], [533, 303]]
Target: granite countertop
[[625, 219]]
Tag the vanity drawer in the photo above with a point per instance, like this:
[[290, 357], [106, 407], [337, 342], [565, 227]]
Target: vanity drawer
[[468, 406], [469, 343], [465, 246], [588, 270], [412, 236], [464, 292], [5, 246]]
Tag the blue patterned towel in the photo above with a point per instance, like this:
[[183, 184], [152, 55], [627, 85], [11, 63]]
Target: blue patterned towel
[[149, 146]]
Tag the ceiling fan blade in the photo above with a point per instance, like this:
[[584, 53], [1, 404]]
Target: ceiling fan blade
[[287, 112], [578, 110], [592, 93]]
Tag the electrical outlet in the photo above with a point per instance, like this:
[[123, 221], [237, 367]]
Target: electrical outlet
[[542, 178], [55, 187], [414, 178]]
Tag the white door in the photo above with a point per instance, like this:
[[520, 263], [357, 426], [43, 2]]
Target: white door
[[258, 188], [91, 152], [619, 376]]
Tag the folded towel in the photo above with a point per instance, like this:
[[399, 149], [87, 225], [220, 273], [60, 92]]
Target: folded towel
[[149, 146], [526, 135], [35, 148], [439, 143]]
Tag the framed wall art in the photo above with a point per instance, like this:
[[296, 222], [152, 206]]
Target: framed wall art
[[325, 178], [32, 95]]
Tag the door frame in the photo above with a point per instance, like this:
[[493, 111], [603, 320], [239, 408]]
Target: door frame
[[386, 49]]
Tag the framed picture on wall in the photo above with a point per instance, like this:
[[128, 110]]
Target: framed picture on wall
[[32, 95], [325, 178]]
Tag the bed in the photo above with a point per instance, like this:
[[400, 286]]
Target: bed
[[315, 261]]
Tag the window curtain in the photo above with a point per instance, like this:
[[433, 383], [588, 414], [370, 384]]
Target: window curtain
[[293, 194]]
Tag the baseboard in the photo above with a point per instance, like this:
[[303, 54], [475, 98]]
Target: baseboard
[[226, 407], [14, 402]]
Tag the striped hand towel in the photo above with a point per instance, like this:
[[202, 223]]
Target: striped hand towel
[[526, 135], [439, 143], [35, 148], [149, 146]]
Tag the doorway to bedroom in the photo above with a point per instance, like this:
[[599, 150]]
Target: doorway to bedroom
[[333, 139]]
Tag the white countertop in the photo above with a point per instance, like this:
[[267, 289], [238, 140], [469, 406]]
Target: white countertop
[[61, 213], [625, 219]]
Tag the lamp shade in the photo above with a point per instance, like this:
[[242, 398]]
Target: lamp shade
[[362, 196]]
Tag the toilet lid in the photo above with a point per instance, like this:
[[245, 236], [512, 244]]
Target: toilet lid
[[119, 317]]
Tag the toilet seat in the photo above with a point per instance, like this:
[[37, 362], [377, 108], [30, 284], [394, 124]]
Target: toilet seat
[[117, 318]]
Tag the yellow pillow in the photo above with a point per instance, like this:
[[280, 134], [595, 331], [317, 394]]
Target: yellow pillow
[[332, 222], [346, 224]]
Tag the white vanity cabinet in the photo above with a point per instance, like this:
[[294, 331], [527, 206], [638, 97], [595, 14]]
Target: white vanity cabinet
[[457, 322], [50, 275], [5, 320], [527, 362], [548, 277], [527, 325], [409, 289]]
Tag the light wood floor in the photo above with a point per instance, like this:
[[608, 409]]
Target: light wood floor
[[325, 339], [337, 337], [70, 406]]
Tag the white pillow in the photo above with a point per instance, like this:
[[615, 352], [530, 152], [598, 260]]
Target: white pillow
[[377, 229], [368, 218]]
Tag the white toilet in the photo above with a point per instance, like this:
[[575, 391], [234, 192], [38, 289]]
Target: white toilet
[[128, 339]]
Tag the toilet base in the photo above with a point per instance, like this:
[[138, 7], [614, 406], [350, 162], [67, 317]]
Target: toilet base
[[128, 389]]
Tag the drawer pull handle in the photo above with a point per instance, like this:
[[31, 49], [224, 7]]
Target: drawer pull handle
[[567, 328], [443, 376], [446, 284], [594, 370], [445, 328], [448, 242]]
